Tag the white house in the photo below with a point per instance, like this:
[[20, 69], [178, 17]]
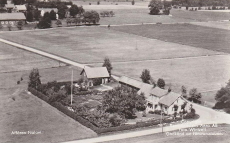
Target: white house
[[11, 18], [89, 74], [20, 8]]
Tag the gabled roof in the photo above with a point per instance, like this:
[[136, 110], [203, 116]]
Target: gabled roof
[[95, 72], [169, 99], [148, 90], [12, 16], [20, 7], [131, 82]]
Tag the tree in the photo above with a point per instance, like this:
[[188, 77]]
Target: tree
[[184, 91], [108, 65], [9, 26], [194, 95], [161, 83], [155, 6], [62, 11], [37, 14], [112, 13], [29, 16], [133, 2], [52, 15], [1, 25], [44, 23], [20, 25], [3, 2], [91, 17], [123, 101], [34, 79], [73, 11], [145, 76], [58, 23]]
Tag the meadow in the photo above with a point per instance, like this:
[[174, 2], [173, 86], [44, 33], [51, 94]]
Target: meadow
[[185, 34], [92, 44]]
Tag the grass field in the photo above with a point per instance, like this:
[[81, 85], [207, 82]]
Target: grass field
[[24, 112], [221, 25], [204, 73], [196, 36], [92, 44]]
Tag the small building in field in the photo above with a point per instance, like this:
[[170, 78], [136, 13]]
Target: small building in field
[[98, 74], [11, 18], [20, 8]]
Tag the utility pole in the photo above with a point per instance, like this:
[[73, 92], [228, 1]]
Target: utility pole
[[71, 100]]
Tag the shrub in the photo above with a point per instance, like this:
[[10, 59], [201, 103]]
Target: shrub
[[219, 105], [133, 2], [98, 2]]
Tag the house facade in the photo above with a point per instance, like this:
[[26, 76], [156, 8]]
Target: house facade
[[89, 75], [11, 18], [157, 99]]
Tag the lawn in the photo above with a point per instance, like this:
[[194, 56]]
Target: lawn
[[25, 112], [93, 44], [186, 34]]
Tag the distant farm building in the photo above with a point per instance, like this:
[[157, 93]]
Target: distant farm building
[[90, 74], [11, 18]]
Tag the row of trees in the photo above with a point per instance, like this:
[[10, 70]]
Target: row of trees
[[200, 3], [146, 78], [156, 5], [107, 14]]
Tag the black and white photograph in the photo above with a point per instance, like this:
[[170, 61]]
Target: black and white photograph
[[114, 71]]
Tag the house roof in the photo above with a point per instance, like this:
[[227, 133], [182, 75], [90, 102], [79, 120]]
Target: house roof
[[20, 7], [12, 16], [169, 99], [95, 72], [148, 90], [9, 5], [131, 82]]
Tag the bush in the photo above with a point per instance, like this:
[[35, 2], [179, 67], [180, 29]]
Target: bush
[[219, 105], [161, 83], [133, 2]]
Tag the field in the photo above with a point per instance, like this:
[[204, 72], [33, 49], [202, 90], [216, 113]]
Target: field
[[198, 65], [24, 112], [92, 44], [186, 34], [221, 25]]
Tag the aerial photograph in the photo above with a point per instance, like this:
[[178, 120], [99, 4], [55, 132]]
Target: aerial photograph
[[114, 71]]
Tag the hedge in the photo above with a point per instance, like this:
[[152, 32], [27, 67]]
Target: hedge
[[88, 124]]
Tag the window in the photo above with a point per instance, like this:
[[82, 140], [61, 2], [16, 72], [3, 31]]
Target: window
[[155, 107], [150, 105]]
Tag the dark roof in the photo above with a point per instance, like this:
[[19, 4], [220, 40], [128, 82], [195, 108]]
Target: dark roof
[[12, 16], [131, 82], [95, 72], [169, 99]]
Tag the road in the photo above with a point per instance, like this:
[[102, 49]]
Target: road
[[207, 115]]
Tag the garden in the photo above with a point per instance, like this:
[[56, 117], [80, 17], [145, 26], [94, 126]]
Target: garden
[[114, 110]]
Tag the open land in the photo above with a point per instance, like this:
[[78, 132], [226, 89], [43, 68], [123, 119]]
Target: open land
[[186, 55], [24, 112]]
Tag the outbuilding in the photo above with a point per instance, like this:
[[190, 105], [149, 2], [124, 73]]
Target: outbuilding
[[11, 18]]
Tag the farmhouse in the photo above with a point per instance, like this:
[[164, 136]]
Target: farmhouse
[[90, 74], [11, 18], [157, 98], [9, 7]]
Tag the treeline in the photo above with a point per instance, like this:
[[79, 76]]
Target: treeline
[[52, 4], [200, 3]]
